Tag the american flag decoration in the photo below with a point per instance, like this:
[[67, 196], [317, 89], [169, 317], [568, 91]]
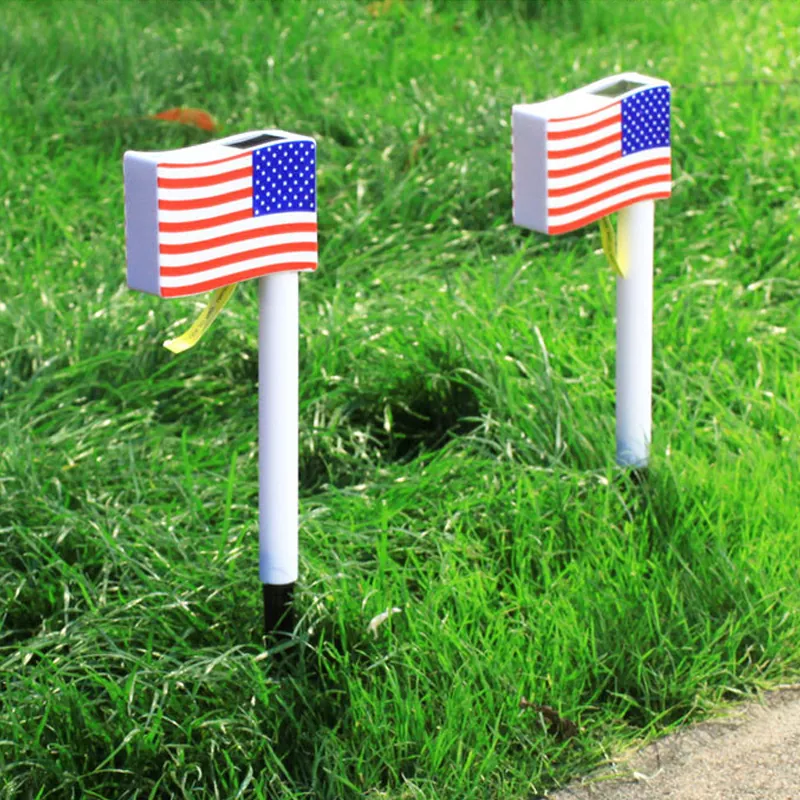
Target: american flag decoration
[[591, 152], [201, 219], [207, 216]]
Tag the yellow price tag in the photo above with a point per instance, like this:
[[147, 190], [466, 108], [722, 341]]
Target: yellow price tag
[[217, 301], [609, 241]]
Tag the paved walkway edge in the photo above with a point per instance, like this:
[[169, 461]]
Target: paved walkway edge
[[750, 751]]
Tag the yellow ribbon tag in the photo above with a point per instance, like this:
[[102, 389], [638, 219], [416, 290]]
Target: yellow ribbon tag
[[609, 241], [217, 301]]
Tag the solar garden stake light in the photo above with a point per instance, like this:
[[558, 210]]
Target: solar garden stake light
[[207, 217], [579, 157]]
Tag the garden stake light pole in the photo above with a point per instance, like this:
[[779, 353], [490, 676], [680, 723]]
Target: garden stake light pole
[[278, 465], [634, 376], [205, 218], [578, 158]]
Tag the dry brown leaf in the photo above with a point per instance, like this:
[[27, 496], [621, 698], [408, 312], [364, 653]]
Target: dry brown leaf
[[556, 724], [416, 149], [188, 116], [380, 8]]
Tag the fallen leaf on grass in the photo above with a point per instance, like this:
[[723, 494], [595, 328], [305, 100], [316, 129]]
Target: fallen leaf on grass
[[416, 150], [556, 724], [376, 622], [188, 116], [382, 7]]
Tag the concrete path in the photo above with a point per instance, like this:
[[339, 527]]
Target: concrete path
[[752, 753]]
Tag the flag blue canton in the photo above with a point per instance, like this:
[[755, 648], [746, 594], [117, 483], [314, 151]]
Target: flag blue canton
[[284, 178], [645, 120]]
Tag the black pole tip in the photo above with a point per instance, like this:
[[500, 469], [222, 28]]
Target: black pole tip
[[278, 616]]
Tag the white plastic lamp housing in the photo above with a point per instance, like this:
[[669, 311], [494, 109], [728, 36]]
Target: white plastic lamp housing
[[206, 216], [588, 153]]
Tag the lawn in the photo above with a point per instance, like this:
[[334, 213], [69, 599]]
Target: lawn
[[456, 408]]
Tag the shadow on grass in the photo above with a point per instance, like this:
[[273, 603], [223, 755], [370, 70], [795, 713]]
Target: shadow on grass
[[416, 413], [555, 11]]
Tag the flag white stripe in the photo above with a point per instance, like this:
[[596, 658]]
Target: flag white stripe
[[267, 240], [197, 214], [199, 193], [560, 125], [557, 145], [554, 203], [195, 171], [174, 281], [603, 169], [618, 199], [585, 158]]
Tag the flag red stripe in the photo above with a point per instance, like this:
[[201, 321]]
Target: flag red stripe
[[203, 163], [565, 173], [219, 241], [579, 223], [223, 261], [576, 151], [551, 135], [208, 180], [201, 224], [607, 176], [590, 201], [216, 283], [205, 202]]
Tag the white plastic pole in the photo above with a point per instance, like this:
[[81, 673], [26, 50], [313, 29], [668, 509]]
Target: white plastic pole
[[278, 330], [635, 334]]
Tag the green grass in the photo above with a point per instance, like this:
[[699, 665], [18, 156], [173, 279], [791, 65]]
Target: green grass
[[457, 409]]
